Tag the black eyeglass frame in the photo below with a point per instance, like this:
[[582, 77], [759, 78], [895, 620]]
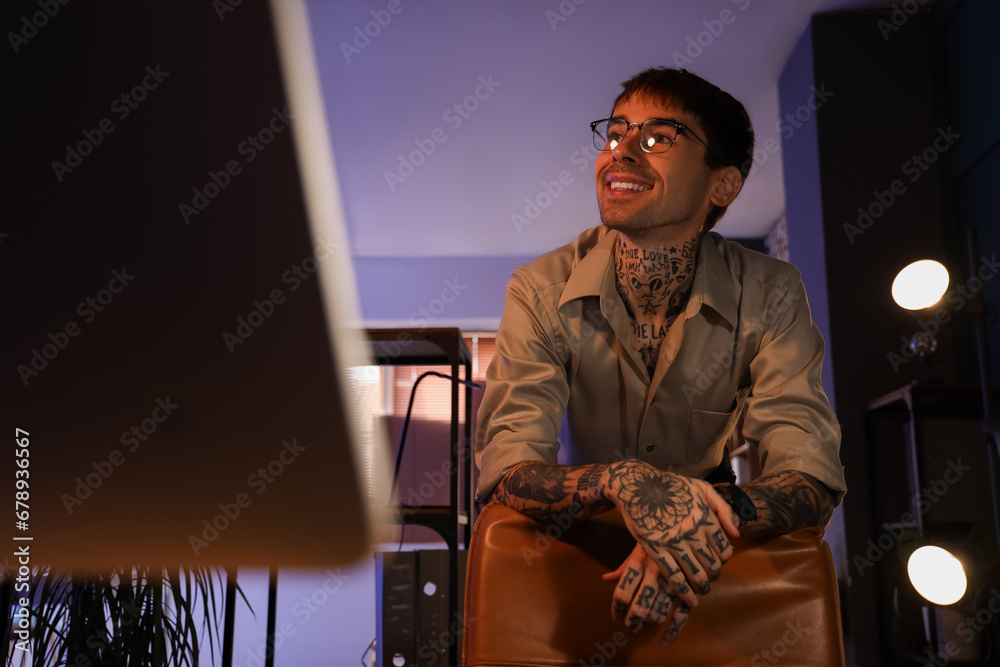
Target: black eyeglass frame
[[681, 129]]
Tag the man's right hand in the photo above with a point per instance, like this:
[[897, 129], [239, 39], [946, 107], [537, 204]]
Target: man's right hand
[[681, 523]]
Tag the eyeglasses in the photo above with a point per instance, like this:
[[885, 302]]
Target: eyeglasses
[[656, 135]]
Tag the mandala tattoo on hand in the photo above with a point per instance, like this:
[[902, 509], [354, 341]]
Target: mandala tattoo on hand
[[656, 501]]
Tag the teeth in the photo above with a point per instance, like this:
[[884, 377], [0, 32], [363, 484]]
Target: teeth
[[621, 185]]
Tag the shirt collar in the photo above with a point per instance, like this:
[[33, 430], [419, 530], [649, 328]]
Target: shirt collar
[[712, 278], [589, 277]]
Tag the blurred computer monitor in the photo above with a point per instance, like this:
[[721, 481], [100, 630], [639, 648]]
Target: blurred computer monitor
[[179, 305]]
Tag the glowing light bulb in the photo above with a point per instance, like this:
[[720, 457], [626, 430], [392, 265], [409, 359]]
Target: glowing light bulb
[[937, 575], [920, 285]]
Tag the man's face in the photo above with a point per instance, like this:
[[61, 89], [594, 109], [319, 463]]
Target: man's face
[[674, 192]]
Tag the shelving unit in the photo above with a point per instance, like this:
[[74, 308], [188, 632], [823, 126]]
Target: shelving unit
[[440, 347], [931, 435]]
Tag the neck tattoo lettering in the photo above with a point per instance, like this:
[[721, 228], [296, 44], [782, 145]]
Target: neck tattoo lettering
[[655, 285]]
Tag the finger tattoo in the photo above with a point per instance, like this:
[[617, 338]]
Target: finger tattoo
[[666, 566], [708, 556], [663, 607], [720, 540], [687, 559], [645, 599], [629, 576], [674, 628]]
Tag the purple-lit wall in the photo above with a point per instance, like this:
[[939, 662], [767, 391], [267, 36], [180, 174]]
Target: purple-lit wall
[[419, 292]]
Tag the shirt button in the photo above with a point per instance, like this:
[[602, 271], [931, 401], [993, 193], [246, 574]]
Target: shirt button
[[650, 448]]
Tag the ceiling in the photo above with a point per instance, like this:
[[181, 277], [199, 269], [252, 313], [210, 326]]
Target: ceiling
[[461, 128]]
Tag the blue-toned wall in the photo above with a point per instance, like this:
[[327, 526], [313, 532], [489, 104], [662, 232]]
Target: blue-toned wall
[[970, 58], [801, 99]]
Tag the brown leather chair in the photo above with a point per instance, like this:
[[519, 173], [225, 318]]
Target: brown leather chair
[[533, 600]]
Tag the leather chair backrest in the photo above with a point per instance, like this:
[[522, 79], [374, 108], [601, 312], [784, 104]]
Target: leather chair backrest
[[534, 596]]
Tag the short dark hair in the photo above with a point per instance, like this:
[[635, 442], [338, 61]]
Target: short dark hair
[[729, 132]]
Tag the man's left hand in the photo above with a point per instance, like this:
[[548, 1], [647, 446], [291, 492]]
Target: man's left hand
[[642, 597]]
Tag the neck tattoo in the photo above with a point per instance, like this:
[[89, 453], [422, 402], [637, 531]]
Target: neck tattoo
[[655, 286]]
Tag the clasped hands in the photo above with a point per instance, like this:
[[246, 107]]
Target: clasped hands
[[682, 529]]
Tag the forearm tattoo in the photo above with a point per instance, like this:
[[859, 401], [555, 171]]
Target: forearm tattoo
[[787, 501], [590, 478], [539, 489]]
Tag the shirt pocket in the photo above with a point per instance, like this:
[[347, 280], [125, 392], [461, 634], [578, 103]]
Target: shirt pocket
[[710, 430]]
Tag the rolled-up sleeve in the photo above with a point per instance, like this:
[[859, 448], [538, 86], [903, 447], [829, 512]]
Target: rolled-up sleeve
[[789, 417], [526, 388]]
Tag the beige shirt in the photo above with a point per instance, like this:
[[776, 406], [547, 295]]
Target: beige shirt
[[565, 350]]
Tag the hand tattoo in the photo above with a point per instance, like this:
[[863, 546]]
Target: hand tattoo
[[657, 503]]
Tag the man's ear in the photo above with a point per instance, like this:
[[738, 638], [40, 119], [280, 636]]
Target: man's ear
[[728, 183]]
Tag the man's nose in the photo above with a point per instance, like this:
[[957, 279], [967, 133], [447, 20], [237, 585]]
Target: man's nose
[[628, 148]]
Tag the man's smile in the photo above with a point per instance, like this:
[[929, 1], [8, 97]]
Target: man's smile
[[619, 182], [625, 185]]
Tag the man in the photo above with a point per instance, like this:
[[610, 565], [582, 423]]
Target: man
[[650, 337]]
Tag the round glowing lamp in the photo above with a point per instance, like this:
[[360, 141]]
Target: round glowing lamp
[[920, 284], [937, 575]]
